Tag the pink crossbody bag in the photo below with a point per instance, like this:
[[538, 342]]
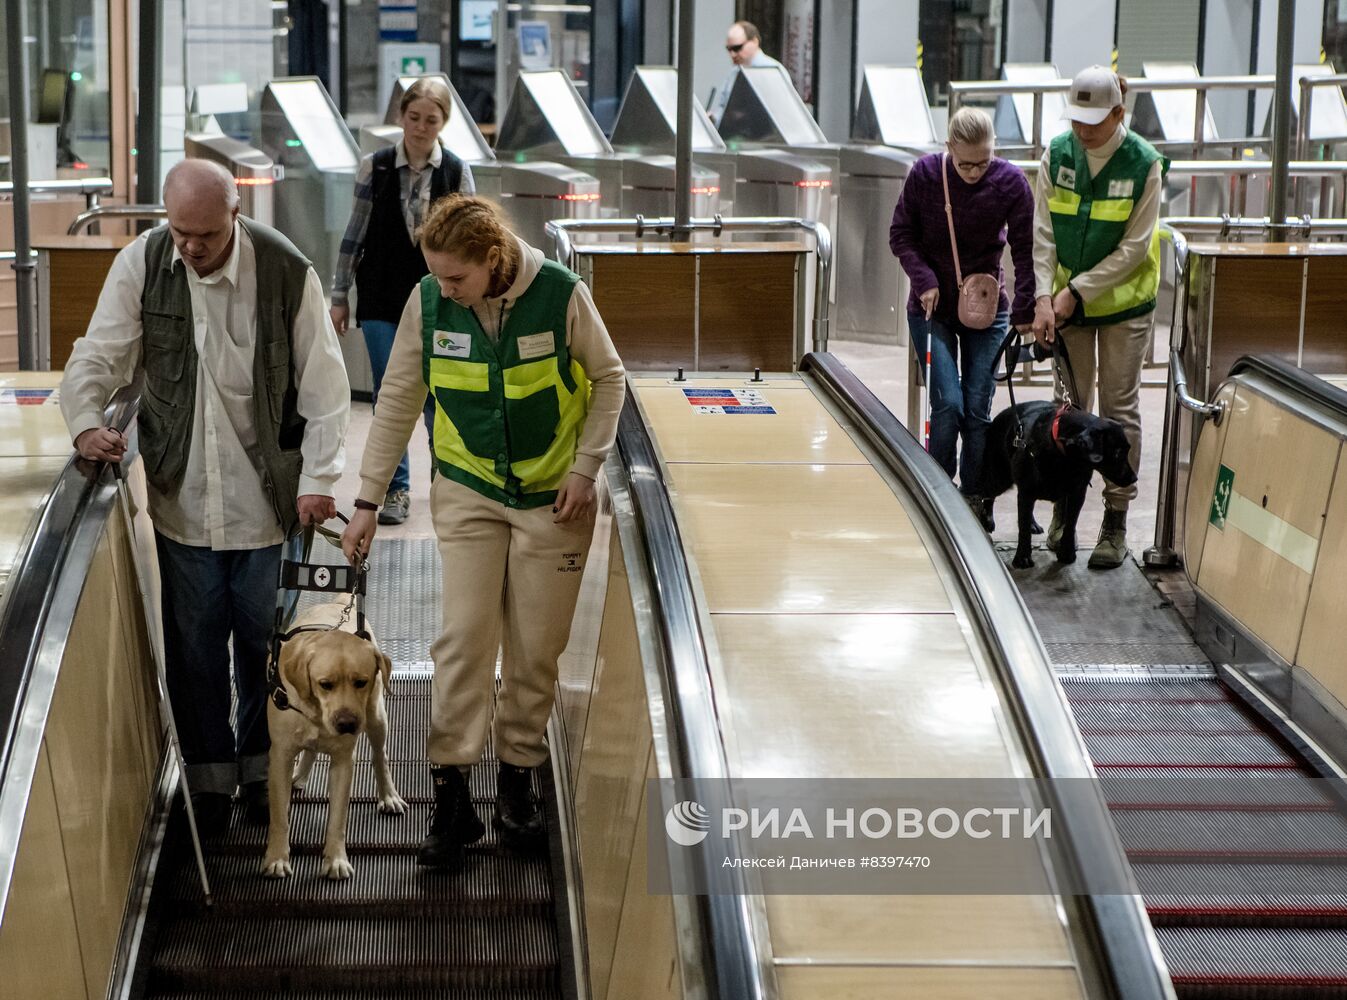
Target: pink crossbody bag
[[979, 294]]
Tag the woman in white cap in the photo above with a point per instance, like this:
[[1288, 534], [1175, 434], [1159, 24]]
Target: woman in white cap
[[1097, 268]]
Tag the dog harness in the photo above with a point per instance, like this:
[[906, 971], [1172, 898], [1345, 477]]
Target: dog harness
[[317, 578]]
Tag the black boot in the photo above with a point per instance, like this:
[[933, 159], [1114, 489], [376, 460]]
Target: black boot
[[453, 821], [519, 817]]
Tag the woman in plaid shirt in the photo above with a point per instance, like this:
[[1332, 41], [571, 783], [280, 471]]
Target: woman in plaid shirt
[[393, 192]]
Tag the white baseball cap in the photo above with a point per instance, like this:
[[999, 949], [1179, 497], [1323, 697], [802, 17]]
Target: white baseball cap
[[1094, 93]]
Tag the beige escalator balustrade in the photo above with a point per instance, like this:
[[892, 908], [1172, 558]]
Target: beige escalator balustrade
[[838, 651], [91, 730]]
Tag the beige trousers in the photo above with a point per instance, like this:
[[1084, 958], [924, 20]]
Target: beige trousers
[[511, 580], [1114, 354]]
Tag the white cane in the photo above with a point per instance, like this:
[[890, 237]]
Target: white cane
[[161, 679]]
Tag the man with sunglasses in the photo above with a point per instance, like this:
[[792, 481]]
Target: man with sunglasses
[[744, 44]]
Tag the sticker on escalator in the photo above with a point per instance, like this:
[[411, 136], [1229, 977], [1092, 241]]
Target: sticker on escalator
[[727, 401], [29, 397], [1220, 500]]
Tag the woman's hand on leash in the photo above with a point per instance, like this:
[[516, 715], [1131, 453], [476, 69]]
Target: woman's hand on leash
[[341, 318], [575, 499], [929, 299], [1045, 320], [358, 536], [315, 509]]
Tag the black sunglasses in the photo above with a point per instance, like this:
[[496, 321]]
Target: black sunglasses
[[734, 49]]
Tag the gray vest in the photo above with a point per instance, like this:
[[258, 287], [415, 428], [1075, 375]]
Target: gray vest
[[170, 361]]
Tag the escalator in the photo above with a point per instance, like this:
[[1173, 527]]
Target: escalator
[[1232, 814], [491, 932], [1263, 840]]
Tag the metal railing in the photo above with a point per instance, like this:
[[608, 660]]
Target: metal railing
[[133, 212], [93, 188], [1237, 175], [961, 90], [639, 227]]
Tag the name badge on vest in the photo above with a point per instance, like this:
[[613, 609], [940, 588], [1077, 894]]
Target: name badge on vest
[[1120, 189], [450, 344], [535, 345], [1066, 177]]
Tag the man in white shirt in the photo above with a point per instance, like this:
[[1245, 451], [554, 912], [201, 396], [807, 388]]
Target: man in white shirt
[[744, 44], [241, 426]]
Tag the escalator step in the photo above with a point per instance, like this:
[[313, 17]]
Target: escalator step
[[1252, 749], [1205, 788], [271, 954], [412, 778], [383, 885], [1276, 961], [1079, 688], [375, 994], [1299, 836], [366, 830], [1160, 716], [1257, 894]]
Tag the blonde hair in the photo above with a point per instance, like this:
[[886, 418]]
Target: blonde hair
[[468, 227], [971, 127], [433, 89]]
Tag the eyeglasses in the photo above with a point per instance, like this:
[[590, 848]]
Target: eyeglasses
[[734, 49], [966, 166]]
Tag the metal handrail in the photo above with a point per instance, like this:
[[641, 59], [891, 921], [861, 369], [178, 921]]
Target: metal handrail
[[1200, 85], [1222, 226], [93, 188], [133, 212], [719, 940], [1231, 168], [36, 617], [1307, 86], [1130, 954], [560, 230]]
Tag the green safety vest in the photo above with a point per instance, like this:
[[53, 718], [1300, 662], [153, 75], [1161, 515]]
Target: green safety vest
[[1089, 217], [508, 413]]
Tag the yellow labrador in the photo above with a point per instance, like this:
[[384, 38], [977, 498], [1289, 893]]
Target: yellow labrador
[[335, 682]]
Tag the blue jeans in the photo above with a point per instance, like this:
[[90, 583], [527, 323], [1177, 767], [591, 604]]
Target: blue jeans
[[379, 342], [959, 407], [210, 597]]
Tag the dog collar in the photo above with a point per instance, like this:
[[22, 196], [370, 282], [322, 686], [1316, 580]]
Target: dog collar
[[1056, 426]]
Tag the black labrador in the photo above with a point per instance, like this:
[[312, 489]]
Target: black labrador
[[1049, 453]]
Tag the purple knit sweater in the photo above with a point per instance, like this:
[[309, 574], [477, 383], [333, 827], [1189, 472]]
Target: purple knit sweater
[[1000, 203]]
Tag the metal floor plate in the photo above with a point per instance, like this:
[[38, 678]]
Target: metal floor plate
[[1090, 619]]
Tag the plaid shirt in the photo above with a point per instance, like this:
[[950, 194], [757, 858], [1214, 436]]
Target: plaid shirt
[[415, 200]]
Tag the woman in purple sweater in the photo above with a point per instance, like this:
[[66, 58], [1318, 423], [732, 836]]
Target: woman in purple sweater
[[990, 199]]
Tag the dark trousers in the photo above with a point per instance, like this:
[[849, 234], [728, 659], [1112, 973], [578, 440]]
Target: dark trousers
[[209, 598], [960, 408]]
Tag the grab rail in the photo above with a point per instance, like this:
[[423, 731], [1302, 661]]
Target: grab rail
[[1130, 954], [561, 229], [96, 215]]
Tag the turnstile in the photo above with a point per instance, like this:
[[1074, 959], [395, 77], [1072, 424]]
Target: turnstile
[[646, 125], [649, 184], [534, 194], [872, 289], [303, 132], [252, 169]]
